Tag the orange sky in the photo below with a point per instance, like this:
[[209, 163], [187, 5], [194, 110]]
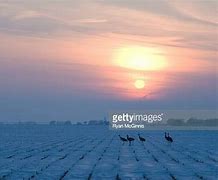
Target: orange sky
[[101, 48]]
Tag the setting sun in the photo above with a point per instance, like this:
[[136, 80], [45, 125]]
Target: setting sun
[[140, 58], [139, 84]]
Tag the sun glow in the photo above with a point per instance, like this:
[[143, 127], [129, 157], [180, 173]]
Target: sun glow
[[143, 66], [140, 58], [139, 84]]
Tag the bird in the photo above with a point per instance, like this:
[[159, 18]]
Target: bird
[[123, 139], [141, 138], [130, 139], [168, 138]]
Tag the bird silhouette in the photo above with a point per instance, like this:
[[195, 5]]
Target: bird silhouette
[[168, 138], [123, 139], [130, 139], [141, 138]]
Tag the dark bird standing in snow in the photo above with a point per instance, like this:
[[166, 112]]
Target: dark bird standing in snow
[[141, 138], [123, 139], [168, 138], [130, 139]]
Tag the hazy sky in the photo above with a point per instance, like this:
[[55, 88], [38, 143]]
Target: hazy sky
[[79, 60]]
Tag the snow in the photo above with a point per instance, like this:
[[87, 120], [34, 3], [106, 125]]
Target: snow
[[95, 152]]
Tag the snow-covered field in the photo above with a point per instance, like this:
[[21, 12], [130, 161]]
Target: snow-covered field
[[94, 152]]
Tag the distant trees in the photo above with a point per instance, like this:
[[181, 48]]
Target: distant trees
[[200, 122], [66, 123], [90, 122], [52, 123], [193, 122], [171, 122], [97, 122], [94, 122], [212, 122], [176, 122]]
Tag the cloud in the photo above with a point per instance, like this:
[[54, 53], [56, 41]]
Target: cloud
[[90, 20], [145, 19], [27, 14], [31, 22], [163, 8], [69, 64]]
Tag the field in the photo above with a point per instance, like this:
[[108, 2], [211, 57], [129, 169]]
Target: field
[[94, 152]]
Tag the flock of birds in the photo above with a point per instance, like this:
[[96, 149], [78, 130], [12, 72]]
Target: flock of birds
[[142, 139]]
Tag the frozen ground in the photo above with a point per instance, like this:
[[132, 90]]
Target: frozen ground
[[45, 152]]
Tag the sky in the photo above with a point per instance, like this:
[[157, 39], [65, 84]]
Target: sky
[[80, 60]]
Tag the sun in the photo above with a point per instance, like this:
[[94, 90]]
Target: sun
[[140, 58], [139, 84]]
